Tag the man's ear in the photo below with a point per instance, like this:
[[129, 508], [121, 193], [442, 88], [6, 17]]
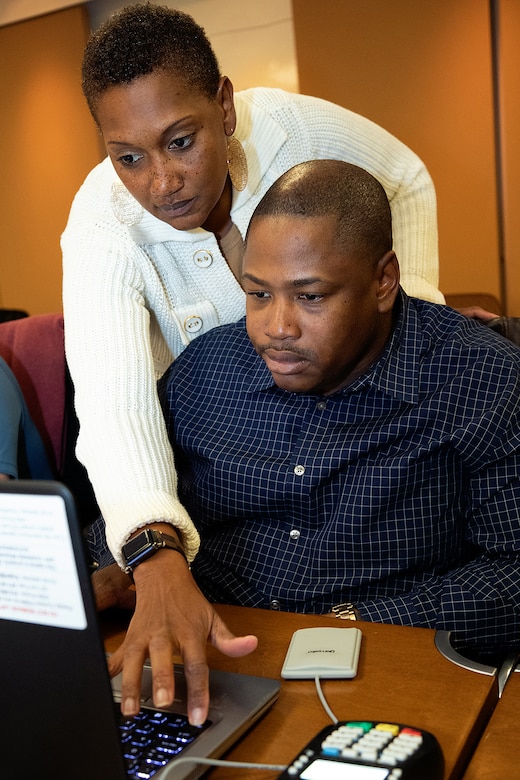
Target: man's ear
[[388, 276], [225, 99]]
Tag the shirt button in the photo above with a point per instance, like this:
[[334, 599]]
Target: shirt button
[[202, 259], [275, 604], [192, 324], [299, 470], [294, 534], [321, 405]]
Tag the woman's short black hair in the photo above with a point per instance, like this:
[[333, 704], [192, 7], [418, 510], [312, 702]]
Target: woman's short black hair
[[141, 39]]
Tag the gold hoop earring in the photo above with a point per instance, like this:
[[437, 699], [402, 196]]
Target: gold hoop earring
[[237, 164]]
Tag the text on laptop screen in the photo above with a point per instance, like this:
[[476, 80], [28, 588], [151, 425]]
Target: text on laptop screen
[[38, 576]]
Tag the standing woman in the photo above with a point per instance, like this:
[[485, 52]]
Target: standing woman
[[151, 255]]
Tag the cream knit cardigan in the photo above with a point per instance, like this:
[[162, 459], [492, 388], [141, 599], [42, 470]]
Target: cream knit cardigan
[[136, 291]]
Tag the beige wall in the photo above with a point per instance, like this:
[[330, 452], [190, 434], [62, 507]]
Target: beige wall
[[423, 70], [12, 11], [48, 145]]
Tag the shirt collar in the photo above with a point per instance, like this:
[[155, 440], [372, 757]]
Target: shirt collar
[[396, 370]]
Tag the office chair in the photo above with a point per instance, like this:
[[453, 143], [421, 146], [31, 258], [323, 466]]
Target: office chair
[[34, 349]]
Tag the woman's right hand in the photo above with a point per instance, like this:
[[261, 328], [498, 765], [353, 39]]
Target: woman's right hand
[[171, 617]]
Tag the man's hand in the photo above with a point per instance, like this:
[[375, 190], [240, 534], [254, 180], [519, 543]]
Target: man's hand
[[113, 588], [477, 313], [171, 616]]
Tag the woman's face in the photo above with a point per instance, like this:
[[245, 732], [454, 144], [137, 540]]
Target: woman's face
[[168, 145]]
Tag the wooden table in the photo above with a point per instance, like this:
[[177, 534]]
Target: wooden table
[[497, 754], [401, 678]]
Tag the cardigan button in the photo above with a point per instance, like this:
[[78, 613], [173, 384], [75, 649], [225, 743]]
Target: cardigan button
[[193, 324], [202, 259]]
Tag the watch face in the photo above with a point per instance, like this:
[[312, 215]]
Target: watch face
[[140, 544]]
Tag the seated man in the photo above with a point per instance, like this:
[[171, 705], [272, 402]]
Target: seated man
[[22, 454], [346, 449]]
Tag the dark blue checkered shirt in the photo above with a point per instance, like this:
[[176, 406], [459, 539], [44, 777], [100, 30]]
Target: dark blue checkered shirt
[[400, 493]]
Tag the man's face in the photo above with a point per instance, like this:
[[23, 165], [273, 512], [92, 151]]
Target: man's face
[[317, 315]]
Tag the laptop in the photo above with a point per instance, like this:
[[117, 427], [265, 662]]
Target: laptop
[[60, 711]]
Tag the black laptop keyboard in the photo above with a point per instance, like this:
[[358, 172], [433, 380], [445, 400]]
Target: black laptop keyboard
[[153, 738]]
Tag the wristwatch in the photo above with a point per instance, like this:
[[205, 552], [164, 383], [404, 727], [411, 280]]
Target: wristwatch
[[346, 611], [146, 544]]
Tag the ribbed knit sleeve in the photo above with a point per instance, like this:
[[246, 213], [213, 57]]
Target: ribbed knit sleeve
[[115, 352]]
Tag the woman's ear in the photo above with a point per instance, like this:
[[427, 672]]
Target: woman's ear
[[225, 99], [388, 276]]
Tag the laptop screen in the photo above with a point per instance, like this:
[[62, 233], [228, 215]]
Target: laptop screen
[[39, 582], [53, 674], [58, 717]]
